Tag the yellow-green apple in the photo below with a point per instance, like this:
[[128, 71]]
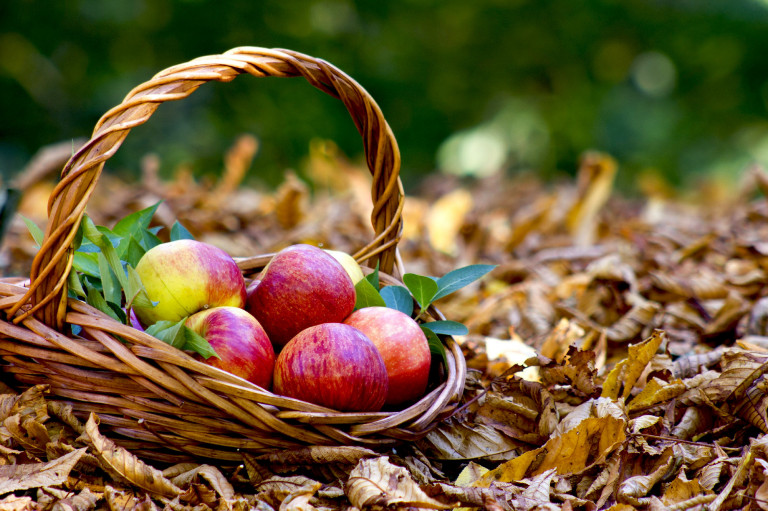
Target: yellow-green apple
[[187, 276], [350, 265], [332, 365], [240, 342], [302, 286], [402, 345]]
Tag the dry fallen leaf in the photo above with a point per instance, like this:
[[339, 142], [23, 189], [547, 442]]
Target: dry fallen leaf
[[35, 475], [123, 465], [378, 483]]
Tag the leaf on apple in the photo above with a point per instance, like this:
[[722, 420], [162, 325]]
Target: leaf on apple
[[169, 332], [398, 298], [367, 296], [180, 336]]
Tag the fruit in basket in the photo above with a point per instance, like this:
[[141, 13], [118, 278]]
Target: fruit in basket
[[240, 342], [350, 265], [332, 365], [187, 276], [302, 286], [403, 347]]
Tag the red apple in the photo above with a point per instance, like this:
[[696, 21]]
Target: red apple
[[238, 339], [332, 365], [187, 276], [302, 286], [402, 345]]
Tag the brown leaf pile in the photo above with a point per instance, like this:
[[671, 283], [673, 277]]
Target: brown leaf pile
[[618, 352]]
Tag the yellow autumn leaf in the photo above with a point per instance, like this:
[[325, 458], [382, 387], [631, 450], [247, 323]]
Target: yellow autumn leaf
[[581, 447], [445, 218], [656, 391], [595, 183], [626, 373], [471, 473], [681, 489]]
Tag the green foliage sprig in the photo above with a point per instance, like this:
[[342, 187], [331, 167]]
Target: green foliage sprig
[[104, 276], [423, 291]]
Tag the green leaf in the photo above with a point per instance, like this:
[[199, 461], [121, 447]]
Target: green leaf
[[373, 277], [95, 299], [109, 284], [34, 230], [179, 232], [74, 284], [78, 240], [367, 296], [87, 263], [456, 279], [422, 288], [135, 294], [197, 343], [436, 346], [135, 223], [398, 298], [169, 332], [119, 312], [180, 336], [446, 327], [130, 250], [149, 239]]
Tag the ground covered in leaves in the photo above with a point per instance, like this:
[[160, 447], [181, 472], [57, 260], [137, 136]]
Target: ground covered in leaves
[[617, 352]]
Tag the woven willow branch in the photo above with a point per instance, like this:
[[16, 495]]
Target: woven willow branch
[[46, 298]]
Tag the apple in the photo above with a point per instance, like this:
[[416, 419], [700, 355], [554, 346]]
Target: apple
[[302, 286], [240, 342], [187, 276], [350, 265], [403, 347], [332, 365]]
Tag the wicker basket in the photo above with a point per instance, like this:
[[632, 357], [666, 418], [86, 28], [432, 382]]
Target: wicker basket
[[152, 398]]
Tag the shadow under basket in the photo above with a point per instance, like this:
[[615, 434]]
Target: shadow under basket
[[156, 400]]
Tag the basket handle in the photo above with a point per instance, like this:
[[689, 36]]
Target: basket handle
[[47, 294]]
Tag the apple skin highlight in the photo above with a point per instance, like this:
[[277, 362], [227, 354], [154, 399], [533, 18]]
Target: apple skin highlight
[[302, 286], [187, 276], [403, 347], [332, 365]]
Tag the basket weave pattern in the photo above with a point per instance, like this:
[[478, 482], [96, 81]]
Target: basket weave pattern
[[156, 399]]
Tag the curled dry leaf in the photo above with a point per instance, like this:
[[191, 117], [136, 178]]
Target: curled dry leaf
[[622, 378], [378, 483], [575, 450], [85, 500], [123, 465], [454, 440], [119, 500], [211, 475], [299, 500], [35, 475]]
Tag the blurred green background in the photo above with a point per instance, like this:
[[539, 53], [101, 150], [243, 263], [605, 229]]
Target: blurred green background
[[469, 87]]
